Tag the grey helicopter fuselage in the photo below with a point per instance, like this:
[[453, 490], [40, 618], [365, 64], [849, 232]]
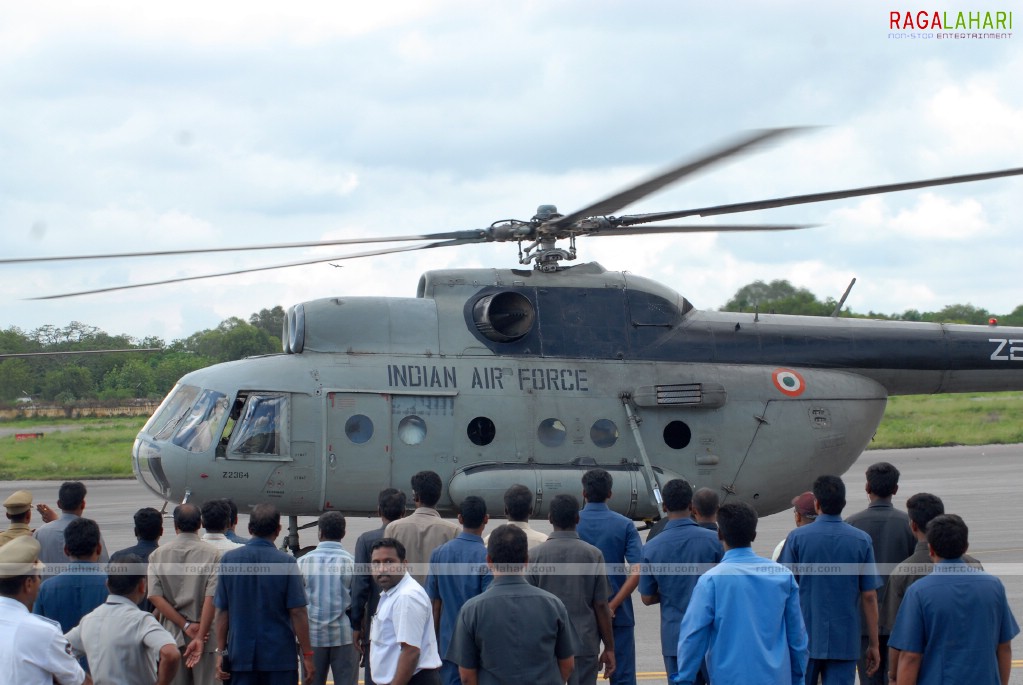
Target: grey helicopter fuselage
[[492, 377]]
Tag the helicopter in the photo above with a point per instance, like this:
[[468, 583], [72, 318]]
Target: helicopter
[[533, 375]]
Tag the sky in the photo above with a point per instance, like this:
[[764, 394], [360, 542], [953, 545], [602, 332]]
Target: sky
[[127, 127]]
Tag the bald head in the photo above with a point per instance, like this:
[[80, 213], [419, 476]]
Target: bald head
[[187, 518]]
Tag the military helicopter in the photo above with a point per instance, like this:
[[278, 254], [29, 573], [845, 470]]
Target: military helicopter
[[533, 375]]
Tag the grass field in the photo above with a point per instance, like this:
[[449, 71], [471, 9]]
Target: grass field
[[95, 448], [101, 448]]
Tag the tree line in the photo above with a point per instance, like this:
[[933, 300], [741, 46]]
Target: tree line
[[781, 297], [124, 375], [121, 376]]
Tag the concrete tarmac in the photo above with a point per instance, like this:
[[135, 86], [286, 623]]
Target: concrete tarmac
[[981, 484]]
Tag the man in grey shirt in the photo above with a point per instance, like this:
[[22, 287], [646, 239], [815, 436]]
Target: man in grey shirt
[[573, 571], [122, 642], [513, 632], [893, 541], [71, 502]]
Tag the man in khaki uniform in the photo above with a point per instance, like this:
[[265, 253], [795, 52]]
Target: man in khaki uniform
[[182, 581], [19, 511], [423, 530]]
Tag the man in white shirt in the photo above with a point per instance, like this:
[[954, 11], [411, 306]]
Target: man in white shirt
[[216, 517], [33, 650], [404, 643]]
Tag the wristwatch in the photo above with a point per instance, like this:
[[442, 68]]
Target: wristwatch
[[184, 628], [221, 652]]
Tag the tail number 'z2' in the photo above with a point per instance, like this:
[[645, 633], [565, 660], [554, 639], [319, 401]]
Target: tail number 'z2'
[[1014, 353]]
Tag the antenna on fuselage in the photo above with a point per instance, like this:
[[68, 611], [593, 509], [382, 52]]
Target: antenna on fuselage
[[838, 307]]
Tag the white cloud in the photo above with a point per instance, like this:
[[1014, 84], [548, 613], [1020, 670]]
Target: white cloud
[[196, 124]]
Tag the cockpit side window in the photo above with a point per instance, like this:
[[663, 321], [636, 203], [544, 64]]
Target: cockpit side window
[[175, 408], [202, 425], [260, 429]]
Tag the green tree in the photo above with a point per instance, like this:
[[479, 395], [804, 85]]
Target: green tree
[[133, 378], [15, 379], [269, 320], [175, 364], [68, 383], [778, 297], [232, 339], [959, 313]]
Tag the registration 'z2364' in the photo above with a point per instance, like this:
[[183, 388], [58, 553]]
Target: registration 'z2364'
[[236, 474], [1001, 354]]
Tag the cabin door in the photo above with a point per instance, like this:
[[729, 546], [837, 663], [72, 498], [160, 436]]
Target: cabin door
[[357, 455]]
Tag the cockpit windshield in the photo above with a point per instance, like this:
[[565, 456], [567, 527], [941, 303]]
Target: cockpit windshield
[[201, 428], [176, 407]]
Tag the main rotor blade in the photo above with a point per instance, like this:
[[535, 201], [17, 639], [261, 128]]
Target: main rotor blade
[[244, 248], [723, 228], [626, 197], [370, 253], [814, 197]]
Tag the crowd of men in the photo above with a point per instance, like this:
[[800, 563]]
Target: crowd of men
[[422, 600]]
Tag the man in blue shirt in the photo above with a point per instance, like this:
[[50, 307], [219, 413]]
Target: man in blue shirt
[[261, 614], [327, 572], [744, 614], [834, 566], [954, 625], [82, 586], [458, 572], [672, 563], [148, 531], [618, 540]]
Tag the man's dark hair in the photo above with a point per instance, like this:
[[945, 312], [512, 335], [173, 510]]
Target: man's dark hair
[[508, 547], [264, 520], [705, 502], [597, 485], [923, 507], [473, 510], [948, 535], [9, 587], [391, 503], [830, 494], [19, 518], [882, 479], [70, 496], [148, 524], [426, 488], [737, 524], [187, 518], [677, 495], [216, 515], [81, 537], [234, 511], [391, 543], [332, 525], [564, 512], [518, 503], [124, 572]]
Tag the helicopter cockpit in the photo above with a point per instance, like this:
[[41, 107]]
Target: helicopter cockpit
[[198, 420]]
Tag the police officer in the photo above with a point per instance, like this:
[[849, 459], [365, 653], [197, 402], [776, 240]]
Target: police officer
[[33, 650], [19, 511]]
